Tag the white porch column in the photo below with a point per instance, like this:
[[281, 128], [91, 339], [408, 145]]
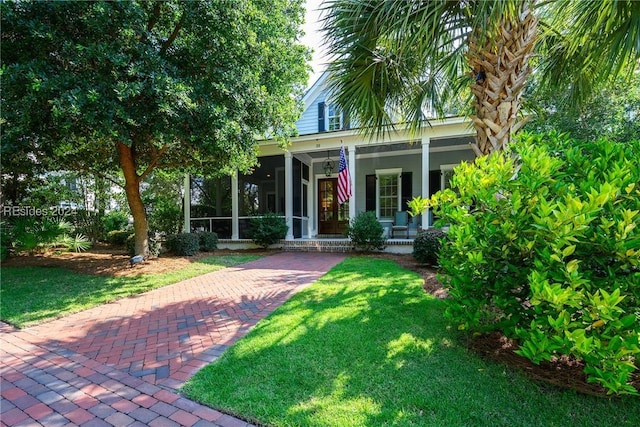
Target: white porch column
[[426, 142], [310, 213], [235, 234], [186, 201], [352, 172], [288, 193]]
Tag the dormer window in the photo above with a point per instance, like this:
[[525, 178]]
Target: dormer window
[[331, 118], [334, 118]]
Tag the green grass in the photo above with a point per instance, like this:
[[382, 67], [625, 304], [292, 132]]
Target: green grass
[[365, 346], [31, 295]]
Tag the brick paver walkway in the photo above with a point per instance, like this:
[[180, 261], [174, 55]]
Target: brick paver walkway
[[121, 364]]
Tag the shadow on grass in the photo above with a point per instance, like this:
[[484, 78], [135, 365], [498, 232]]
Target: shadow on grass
[[364, 346]]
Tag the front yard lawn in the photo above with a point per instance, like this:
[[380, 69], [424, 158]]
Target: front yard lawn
[[366, 346], [31, 295]]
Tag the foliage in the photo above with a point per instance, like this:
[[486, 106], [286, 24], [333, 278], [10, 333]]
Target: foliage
[[140, 86], [365, 232], [395, 61], [187, 244], [208, 241], [267, 229], [119, 237], [155, 246], [37, 234], [32, 295], [115, 221], [612, 112], [426, 246], [163, 200], [417, 206], [546, 250], [366, 346], [5, 241]]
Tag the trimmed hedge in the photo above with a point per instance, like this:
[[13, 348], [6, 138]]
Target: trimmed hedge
[[426, 246], [186, 244], [365, 232], [267, 229], [208, 241], [118, 237]]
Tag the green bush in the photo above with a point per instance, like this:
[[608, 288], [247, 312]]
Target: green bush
[[154, 245], [119, 237], [267, 229], [546, 249], [426, 246], [208, 241], [365, 232], [115, 220], [186, 244], [165, 217]]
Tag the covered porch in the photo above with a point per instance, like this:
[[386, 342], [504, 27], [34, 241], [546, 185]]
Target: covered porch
[[300, 184]]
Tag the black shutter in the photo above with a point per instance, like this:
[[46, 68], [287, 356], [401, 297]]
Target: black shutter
[[434, 182], [321, 127], [347, 122], [370, 192], [407, 190]]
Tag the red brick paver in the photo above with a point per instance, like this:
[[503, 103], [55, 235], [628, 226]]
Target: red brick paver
[[121, 363]]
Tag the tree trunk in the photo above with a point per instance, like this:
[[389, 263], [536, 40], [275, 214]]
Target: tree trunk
[[132, 190], [500, 69]]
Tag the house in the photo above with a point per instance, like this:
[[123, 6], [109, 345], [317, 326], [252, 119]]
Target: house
[[300, 183]]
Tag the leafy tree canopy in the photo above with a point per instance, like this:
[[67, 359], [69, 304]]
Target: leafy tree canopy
[[612, 112], [141, 85]]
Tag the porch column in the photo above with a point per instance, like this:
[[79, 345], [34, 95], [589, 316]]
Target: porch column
[[288, 193], [352, 172], [426, 142], [186, 202], [311, 214], [235, 235]]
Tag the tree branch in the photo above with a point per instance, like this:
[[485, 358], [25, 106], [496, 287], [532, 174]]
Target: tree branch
[[173, 35], [151, 166], [155, 16]]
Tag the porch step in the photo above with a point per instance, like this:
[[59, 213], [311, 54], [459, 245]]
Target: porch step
[[325, 245]]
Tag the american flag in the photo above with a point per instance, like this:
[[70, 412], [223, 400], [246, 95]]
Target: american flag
[[344, 180]]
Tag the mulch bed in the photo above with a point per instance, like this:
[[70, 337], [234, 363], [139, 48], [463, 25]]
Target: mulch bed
[[110, 261]]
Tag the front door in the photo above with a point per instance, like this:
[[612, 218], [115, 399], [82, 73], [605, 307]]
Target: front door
[[332, 217]]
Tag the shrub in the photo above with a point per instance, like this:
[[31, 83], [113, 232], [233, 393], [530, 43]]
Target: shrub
[[186, 244], [154, 245], [365, 232], [118, 237], [165, 217], [426, 246], [267, 229], [114, 221], [546, 250], [208, 241]]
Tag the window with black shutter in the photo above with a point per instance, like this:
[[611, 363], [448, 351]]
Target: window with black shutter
[[321, 125]]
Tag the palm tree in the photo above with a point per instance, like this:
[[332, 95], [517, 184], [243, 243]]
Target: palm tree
[[392, 60]]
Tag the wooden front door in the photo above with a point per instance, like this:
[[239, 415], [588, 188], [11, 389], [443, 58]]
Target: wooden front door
[[332, 217]]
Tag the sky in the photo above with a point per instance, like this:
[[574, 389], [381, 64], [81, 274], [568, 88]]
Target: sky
[[313, 39]]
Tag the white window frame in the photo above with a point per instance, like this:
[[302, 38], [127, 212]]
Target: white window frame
[[329, 117], [388, 172]]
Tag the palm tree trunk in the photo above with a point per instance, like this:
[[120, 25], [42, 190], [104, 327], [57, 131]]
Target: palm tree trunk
[[500, 70]]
